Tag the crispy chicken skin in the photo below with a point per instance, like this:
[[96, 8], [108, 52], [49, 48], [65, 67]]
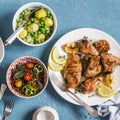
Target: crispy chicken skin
[[109, 62], [85, 62], [72, 71], [87, 48], [90, 85], [94, 67], [102, 46]]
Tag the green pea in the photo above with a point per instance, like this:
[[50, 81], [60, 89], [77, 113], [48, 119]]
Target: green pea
[[31, 42], [28, 34], [32, 19], [47, 31], [51, 16], [48, 12], [29, 22], [18, 19], [39, 32]]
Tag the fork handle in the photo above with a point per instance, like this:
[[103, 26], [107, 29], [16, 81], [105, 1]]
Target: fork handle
[[90, 109]]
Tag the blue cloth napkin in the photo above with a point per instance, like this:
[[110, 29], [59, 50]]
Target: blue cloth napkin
[[111, 107]]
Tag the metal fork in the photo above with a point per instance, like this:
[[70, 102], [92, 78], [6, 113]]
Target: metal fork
[[8, 108], [64, 88]]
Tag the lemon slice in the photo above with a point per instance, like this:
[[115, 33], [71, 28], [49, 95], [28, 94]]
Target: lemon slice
[[105, 91], [54, 66], [57, 57]]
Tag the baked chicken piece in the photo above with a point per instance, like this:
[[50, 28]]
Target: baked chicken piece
[[90, 85], [102, 46], [87, 47], [109, 62], [94, 68], [85, 62], [72, 71]]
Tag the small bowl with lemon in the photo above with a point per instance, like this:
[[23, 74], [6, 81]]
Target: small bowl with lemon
[[40, 28]]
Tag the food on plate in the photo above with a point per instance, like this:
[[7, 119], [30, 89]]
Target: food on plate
[[109, 80], [94, 68], [28, 78], [109, 62], [87, 47], [55, 66], [57, 57], [88, 65], [71, 47], [90, 85], [57, 61], [72, 71], [38, 28], [102, 46], [105, 91]]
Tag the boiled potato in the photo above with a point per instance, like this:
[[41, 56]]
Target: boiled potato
[[23, 34], [40, 13], [33, 27], [40, 37], [27, 14], [48, 22], [29, 39]]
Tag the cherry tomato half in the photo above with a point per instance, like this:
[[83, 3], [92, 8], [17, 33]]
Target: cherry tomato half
[[29, 65], [27, 76]]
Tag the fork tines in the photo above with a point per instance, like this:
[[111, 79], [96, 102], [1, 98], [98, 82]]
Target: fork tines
[[10, 103]]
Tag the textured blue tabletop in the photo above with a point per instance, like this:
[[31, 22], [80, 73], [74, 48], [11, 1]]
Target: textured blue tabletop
[[71, 14]]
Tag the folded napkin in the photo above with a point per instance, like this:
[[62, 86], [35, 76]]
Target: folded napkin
[[111, 107]]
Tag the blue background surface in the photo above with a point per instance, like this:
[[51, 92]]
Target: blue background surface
[[71, 14]]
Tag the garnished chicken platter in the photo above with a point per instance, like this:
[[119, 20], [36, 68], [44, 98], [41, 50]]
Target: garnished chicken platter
[[87, 66]]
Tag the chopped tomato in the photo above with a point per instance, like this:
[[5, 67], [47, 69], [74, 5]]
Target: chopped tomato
[[27, 76], [13, 83], [29, 65]]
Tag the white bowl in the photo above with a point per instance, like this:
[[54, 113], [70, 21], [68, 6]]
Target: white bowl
[[2, 51], [32, 6], [45, 113], [24, 60]]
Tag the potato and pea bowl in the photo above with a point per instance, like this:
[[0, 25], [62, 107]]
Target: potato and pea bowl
[[40, 28]]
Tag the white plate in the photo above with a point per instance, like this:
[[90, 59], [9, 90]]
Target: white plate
[[1, 50], [46, 109], [95, 35]]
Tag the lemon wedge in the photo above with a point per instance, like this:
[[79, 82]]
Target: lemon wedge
[[54, 66], [57, 57], [105, 91]]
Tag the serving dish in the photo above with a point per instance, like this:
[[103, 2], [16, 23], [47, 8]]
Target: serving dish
[[45, 112], [40, 28], [95, 35], [27, 77]]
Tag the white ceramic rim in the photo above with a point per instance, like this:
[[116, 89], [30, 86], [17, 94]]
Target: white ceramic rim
[[2, 50], [47, 79], [33, 5], [46, 108]]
